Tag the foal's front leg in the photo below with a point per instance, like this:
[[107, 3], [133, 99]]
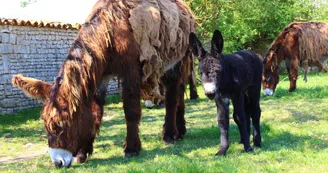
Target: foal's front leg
[[222, 105], [240, 119]]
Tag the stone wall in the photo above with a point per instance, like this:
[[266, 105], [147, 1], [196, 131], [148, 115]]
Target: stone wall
[[36, 52]]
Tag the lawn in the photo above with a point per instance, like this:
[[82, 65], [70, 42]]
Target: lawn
[[294, 133]]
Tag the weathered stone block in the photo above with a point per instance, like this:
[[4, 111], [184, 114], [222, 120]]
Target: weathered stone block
[[8, 89], [12, 39], [5, 37], [9, 103], [5, 64], [6, 48]]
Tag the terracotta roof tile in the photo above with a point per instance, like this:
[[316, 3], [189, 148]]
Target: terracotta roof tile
[[35, 23]]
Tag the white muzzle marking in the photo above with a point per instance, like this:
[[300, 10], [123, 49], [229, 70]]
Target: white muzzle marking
[[209, 87], [149, 104], [268, 92], [61, 155]]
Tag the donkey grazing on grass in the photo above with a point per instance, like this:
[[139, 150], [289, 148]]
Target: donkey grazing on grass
[[234, 76], [136, 40], [299, 44]]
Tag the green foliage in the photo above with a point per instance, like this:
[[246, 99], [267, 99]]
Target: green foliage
[[244, 22], [25, 3]]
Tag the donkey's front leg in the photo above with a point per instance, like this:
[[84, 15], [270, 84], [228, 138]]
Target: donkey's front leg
[[172, 84], [222, 105], [180, 120], [293, 74], [132, 110]]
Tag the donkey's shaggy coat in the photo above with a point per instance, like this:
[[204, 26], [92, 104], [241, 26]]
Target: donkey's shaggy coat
[[237, 77], [300, 43], [137, 40]]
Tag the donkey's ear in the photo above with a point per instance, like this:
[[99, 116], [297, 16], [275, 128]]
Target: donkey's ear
[[217, 43], [32, 87], [196, 46]]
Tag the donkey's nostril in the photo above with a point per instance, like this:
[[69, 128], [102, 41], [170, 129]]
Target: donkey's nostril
[[58, 164]]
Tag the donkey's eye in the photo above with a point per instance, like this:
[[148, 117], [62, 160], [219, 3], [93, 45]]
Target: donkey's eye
[[65, 110]]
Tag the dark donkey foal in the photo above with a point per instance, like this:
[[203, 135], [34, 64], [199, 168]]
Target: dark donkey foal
[[234, 76]]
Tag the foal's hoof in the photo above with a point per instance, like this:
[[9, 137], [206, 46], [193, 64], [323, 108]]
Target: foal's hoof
[[81, 158], [249, 150], [257, 144], [168, 139], [130, 154]]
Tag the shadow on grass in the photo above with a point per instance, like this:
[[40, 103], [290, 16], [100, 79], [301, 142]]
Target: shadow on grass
[[277, 140], [9, 124]]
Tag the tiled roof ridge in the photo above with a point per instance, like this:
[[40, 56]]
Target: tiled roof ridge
[[39, 23]]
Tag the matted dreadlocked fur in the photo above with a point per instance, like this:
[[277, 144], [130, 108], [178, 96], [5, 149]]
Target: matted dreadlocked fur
[[301, 43], [137, 40]]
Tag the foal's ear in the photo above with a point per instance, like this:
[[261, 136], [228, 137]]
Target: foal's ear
[[217, 43], [32, 87], [196, 46]]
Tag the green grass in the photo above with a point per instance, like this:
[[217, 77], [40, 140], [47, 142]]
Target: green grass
[[294, 132]]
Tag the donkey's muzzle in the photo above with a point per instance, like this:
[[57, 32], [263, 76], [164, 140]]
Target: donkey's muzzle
[[210, 95], [60, 157]]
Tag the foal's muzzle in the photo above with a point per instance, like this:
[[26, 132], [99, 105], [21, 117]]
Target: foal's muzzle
[[210, 95], [209, 89]]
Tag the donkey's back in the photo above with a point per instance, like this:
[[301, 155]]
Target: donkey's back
[[247, 68]]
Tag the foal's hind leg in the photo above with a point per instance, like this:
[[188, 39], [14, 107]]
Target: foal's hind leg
[[240, 119], [254, 111]]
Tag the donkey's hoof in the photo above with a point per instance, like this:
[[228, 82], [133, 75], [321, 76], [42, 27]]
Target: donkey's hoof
[[130, 154], [168, 139], [221, 153], [291, 89], [179, 137]]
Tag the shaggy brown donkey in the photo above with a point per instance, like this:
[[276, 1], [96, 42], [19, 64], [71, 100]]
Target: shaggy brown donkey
[[299, 43], [234, 76], [136, 40]]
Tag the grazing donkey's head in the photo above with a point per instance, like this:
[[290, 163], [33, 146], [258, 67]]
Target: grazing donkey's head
[[210, 63]]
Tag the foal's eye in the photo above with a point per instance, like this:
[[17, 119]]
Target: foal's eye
[[268, 79]]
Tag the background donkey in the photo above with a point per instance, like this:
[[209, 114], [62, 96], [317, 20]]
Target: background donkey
[[236, 76]]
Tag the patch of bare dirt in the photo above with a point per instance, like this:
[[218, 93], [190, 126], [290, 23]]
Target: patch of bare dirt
[[25, 157]]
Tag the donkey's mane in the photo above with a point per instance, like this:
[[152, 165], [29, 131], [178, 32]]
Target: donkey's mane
[[83, 66]]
